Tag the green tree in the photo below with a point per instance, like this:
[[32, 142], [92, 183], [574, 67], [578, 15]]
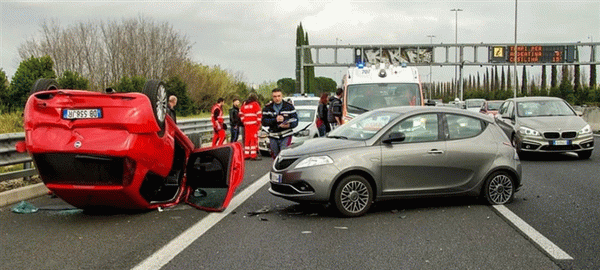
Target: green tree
[[325, 84], [592, 76], [133, 84], [72, 80], [566, 88], [28, 72], [309, 72], [553, 77], [544, 84], [175, 86], [3, 91], [287, 85], [524, 82]]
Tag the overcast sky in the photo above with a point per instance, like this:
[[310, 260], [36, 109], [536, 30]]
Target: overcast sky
[[257, 38]]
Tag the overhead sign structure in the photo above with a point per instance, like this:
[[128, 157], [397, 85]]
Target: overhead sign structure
[[533, 54], [393, 55]]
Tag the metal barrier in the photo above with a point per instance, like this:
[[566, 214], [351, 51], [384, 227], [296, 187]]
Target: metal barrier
[[9, 155]]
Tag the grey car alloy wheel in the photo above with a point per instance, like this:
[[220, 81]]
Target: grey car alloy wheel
[[353, 196], [499, 189]]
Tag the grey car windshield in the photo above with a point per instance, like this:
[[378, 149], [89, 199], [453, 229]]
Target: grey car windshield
[[544, 108], [494, 106], [305, 115], [363, 127], [475, 103], [366, 97]]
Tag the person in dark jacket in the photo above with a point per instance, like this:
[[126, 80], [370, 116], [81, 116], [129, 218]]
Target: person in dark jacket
[[322, 122], [234, 120], [171, 110], [281, 119], [334, 113]]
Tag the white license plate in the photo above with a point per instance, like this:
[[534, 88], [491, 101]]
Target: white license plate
[[82, 114], [275, 177], [561, 142]]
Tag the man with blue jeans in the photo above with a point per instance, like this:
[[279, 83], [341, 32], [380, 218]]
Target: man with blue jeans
[[281, 118]]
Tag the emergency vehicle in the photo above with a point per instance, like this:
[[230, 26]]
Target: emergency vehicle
[[368, 87]]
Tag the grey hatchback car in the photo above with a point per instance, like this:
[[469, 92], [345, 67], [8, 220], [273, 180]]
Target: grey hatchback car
[[400, 152], [545, 124]]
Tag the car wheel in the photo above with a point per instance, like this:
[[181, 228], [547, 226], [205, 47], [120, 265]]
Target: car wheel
[[156, 92], [43, 85], [353, 196], [265, 153], [584, 154], [499, 188]]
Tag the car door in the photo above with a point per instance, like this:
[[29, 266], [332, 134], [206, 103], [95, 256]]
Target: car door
[[412, 164], [213, 174], [506, 118], [469, 152]]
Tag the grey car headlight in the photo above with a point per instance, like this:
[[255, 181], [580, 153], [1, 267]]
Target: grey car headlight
[[303, 133], [525, 131], [587, 130], [314, 161]]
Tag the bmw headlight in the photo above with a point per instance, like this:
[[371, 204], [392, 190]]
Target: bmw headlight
[[314, 161], [525, 131], [587, 130]]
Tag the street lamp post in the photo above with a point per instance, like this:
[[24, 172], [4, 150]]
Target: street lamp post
[[456, 10], [515, 56], [431, 60]]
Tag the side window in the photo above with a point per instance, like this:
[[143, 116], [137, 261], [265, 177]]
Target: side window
[[420, 128], [511, 109], [502, 108], [460, 126]]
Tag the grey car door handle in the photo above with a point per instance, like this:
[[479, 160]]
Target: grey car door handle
[[435, 152]]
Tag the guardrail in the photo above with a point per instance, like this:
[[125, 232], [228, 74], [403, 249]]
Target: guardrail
[[9, 155]]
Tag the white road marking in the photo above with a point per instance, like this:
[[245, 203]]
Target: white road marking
[[543, 242], [161, 257]]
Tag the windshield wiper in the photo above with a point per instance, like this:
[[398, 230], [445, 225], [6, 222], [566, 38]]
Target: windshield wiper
[[358, 108], [337, 137]]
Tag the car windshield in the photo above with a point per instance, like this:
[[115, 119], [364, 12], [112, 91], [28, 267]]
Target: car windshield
[[475, 103], [364, 126], [365, 97], [305, 115], [494, 106], [544, 108]]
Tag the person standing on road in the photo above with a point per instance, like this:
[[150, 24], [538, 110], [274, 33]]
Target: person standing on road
[[234, 120], [216, 117], [281, 118], [171, 111], [322, 121], [334, 113], [251, 115]]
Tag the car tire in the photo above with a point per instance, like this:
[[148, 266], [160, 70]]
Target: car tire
[[584, 154], [265, 153], [353, 196], [155, 90], [499, 188], [43, 85]]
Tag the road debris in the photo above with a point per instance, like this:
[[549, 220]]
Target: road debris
[[24, 208], [263, 210]]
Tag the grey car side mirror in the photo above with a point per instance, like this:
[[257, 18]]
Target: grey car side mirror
[[395, 137]]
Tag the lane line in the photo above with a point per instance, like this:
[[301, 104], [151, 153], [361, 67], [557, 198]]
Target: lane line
[[553, 250], [161, 257]]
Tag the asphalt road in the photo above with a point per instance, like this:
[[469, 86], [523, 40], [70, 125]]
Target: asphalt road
[[558, 199]]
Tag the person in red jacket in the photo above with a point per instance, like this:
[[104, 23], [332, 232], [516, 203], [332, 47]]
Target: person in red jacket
[[216, 117], [251, 116]]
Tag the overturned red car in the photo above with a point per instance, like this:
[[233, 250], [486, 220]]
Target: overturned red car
[[122, 150]]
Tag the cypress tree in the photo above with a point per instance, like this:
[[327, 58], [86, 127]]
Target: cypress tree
[[508, 79], [543, 86], [503, 81], [592, 76], [576, 82], [524, 82], [496, 79], [553, 77]]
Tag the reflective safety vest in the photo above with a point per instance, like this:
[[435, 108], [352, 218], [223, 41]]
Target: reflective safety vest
[[218, 121], [251, 113]]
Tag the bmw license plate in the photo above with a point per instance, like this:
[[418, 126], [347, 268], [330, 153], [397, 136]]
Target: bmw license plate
[[82, 114], [275, 177], [561, 142]]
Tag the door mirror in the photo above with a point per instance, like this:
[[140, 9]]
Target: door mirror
[[395, 137], [430, 102], [213, 174]]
